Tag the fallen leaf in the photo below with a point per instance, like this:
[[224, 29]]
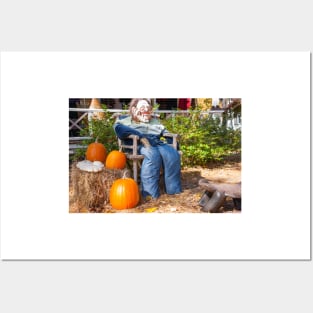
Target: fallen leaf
[[150, 210]]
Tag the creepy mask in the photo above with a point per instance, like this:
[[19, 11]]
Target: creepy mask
[[142, 111]]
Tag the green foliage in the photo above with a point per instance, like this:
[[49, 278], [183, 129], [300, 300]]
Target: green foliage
[[100, 130], [203, 139]]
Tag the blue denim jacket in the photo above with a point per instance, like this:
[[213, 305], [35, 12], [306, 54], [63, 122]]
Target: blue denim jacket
[[153, 131]]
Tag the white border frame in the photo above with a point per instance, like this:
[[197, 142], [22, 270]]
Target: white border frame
[[35, 223]]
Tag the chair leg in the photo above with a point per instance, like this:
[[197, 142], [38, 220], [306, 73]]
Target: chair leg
[[205, 198], [214, 203], [237, 203], [135, 170]]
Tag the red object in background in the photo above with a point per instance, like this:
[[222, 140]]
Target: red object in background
[[184, 104]]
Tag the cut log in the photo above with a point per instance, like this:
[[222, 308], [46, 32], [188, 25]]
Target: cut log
[[231, 190]]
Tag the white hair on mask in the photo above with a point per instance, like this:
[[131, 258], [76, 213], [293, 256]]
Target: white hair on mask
[[142, 111]]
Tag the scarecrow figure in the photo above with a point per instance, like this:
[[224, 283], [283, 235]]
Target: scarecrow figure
[[156, 152]]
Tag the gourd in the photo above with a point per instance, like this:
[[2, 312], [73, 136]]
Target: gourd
[[115, 160], [96, 151], [89, 166], [124, 194]]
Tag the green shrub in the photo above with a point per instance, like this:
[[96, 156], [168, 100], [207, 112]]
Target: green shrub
[[203, 139], [102, 130]]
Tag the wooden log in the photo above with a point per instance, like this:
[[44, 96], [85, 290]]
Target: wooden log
[[232, 190]]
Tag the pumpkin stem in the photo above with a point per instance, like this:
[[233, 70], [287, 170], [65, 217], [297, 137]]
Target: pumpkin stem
[[96, 139]]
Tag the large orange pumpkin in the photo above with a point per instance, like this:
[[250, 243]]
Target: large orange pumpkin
[[124, 194], [115, 160], [96, 152]]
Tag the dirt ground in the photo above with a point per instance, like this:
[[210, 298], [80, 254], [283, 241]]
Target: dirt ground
[[185, 202]]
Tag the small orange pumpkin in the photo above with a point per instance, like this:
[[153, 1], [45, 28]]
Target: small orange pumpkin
[[115, 160], [96, 152], [124, 194]]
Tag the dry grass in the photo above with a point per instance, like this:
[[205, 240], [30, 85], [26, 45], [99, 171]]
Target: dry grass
[[91, 190], [186, 202]]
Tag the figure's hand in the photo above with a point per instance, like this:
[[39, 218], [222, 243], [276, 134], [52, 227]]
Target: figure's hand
[[145, 142]]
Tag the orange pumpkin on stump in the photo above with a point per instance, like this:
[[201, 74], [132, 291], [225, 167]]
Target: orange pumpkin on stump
[[115, 160], [96, 151], [124, 194]]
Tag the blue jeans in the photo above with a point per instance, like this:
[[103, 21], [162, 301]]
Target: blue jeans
[[155, 157]]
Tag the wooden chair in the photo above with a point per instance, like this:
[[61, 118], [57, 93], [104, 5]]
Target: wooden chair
[[136, 159]]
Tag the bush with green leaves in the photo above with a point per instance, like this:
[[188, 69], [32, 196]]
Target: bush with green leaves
[[100, 130], [203, 138]]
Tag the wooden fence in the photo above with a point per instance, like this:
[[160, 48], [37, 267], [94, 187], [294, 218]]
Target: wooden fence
[[76, 121]]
